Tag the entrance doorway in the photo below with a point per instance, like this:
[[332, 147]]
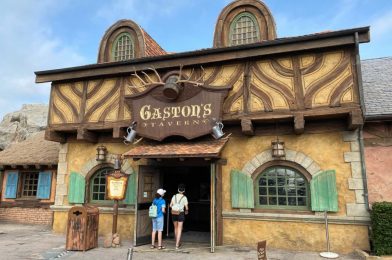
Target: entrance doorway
[[197, 179], [198, 182]]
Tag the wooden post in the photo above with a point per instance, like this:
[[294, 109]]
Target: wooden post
[[115, 214]]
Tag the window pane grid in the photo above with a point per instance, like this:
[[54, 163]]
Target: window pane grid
[[30, 184], [123, 49], [98, 186], [244, 30], [282, 187]]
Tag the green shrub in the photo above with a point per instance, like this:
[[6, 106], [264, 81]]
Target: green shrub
[[381, 216]]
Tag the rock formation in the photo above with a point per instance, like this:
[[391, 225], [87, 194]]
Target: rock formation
[[17, 126]]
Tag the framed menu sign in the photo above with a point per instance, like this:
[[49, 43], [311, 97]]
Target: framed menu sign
[[116, 185]]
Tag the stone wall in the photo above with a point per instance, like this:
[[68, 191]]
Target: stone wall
[[26, 215]]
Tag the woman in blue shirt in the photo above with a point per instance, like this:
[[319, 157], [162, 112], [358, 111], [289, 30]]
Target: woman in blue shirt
[[157, 223]]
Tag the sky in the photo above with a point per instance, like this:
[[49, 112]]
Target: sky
[[49, 34]]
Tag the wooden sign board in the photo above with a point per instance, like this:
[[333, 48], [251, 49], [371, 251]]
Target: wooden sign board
[[191, 115], [116, 187], [262, 250]]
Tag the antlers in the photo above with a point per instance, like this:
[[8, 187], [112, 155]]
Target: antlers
[[181, 78]]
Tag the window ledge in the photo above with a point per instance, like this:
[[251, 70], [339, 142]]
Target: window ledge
[[310, 218], [57, 208]]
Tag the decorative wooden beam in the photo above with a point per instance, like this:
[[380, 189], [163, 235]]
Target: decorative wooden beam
[[299, 124], [55, 136], [355, 119], [86, 135], [247, 127], [119, 132]]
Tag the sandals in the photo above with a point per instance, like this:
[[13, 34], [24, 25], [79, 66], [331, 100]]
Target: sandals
[[161, 247], [179, 246], [152, 246]]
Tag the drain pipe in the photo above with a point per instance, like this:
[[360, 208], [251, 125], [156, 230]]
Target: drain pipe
[[360, 130]]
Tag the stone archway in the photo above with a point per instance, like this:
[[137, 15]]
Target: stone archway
[[291, 156], [93, 163]]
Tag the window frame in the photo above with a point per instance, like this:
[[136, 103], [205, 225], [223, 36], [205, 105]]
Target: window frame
[[114, 46], [283, 164], [22, 179], [90, 185], [234, 23]]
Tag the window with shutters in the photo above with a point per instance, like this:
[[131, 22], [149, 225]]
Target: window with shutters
[[98, 186], [281, 187], [28, 184], [244, 29], [123, 48]]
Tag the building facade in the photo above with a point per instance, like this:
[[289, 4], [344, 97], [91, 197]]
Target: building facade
[[28, 174], [290, 109]]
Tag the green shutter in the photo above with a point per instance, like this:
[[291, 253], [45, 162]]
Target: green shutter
[[242, 194], [12, 185], [130, 196], [77, 185], [324, 194], [44, 185]]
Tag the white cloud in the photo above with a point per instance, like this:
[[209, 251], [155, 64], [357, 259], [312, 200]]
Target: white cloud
[[28, 44]]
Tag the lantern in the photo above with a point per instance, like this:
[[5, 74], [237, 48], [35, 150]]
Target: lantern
[[278, 149]]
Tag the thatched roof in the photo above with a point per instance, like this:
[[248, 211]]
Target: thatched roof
[[33, 151]]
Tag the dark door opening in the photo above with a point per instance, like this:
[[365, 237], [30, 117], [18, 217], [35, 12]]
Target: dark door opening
[[198, 182]]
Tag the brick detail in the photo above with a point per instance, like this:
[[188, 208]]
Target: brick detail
[[26, 215]]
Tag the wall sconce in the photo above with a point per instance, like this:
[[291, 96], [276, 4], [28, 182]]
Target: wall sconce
[[217, 130], [278, 148], [131, 134], [101, 153]]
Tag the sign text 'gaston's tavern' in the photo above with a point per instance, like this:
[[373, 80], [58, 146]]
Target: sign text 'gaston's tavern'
[[192, 115]]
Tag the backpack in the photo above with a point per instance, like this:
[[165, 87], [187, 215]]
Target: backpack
[[153, 211], [176, 208]]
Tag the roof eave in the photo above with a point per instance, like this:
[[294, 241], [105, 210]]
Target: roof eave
[[278, 46]]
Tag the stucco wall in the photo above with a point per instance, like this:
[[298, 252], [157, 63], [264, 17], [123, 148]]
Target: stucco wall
[[295, 236], [125, 224], [327, 150], [379, 173]]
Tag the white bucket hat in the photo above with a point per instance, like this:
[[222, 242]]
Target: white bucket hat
[[161, 192]]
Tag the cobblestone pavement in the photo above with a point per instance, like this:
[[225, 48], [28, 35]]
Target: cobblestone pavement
[[38, 242]]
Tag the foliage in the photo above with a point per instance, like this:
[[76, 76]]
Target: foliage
[[381, 217]]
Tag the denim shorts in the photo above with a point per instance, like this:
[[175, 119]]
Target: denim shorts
[[157, 224]]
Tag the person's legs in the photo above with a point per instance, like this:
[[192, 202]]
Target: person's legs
[[153, 238], [179, 230], [175, 224]]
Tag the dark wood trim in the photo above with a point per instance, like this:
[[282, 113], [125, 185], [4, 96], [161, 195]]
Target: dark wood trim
[[55, 136], [298, 84], [355, 119], [247, 127], [119, 132], [84, 102], [246, 86], [286, 45], [86, 135], [299, 124], [219, 202]]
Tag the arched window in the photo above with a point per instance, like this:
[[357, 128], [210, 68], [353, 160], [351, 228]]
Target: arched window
[[98, 186], [123, 48], [244, 29], [282, 187]]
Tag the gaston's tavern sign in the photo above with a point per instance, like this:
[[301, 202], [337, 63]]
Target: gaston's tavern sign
[[176, 107]]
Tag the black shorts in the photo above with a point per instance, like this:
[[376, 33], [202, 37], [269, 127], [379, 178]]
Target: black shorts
[[179, 218]]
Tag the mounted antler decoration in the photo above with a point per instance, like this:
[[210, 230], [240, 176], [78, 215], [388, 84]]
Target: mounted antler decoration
[[172, 86]]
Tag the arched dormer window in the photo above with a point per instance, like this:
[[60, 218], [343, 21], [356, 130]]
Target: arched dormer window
[[244, 29], [282, 187], [123, 48]]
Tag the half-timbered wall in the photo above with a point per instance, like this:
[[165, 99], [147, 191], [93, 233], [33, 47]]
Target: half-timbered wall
[[278, 85]]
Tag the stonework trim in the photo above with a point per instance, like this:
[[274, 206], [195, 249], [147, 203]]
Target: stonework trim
[[295, 157]]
